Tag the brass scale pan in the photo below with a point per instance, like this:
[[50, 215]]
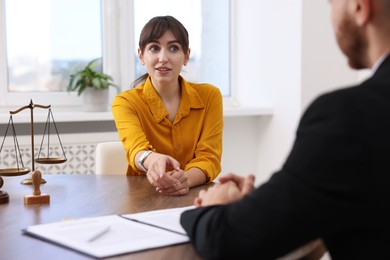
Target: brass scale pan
[[23, 171], [14, 171]]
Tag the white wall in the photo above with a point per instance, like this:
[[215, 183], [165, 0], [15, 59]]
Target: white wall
[[284, 54], [240, 145]]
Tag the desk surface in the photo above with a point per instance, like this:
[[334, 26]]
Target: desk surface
[[77, 196]]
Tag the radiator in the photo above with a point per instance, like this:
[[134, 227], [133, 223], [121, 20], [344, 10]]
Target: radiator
[[79, 151]]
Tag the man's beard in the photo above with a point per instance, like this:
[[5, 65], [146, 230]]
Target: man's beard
[[352, 44]]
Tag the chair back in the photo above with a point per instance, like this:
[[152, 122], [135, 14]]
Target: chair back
[[110, 158]]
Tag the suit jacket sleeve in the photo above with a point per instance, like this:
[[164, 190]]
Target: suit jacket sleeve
[[319, 183]]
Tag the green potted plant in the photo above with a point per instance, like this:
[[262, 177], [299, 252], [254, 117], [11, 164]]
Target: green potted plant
[[93, 84]]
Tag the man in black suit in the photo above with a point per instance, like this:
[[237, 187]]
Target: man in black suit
[[335, 183]]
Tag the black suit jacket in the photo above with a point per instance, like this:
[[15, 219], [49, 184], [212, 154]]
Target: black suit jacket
[[334, 185]]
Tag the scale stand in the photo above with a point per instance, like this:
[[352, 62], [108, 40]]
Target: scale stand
[[4, 198], [47, 160]]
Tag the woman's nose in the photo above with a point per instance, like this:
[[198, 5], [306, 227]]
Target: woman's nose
[[163, 56]]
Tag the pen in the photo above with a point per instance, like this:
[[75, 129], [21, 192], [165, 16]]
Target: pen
[[99, 234]]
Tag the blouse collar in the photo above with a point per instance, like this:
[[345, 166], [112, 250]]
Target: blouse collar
[[190, 99]]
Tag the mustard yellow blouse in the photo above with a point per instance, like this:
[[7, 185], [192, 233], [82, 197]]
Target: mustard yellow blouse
[[195, 137]]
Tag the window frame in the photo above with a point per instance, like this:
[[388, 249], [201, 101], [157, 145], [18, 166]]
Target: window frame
[[118, 59]]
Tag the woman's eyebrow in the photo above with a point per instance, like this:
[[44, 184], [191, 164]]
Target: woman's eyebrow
[[175, 41], [158, 42]]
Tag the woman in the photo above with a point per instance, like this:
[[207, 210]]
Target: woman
[[170, 128]]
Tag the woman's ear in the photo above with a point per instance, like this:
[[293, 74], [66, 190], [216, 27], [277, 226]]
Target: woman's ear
[[141, 57], [187, 57]]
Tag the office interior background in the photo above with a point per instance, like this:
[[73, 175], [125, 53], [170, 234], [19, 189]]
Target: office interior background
[[277, 56]]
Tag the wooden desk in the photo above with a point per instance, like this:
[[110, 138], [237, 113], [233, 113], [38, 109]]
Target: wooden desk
[[77, 196]]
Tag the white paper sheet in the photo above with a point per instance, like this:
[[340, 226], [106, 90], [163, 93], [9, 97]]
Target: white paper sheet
[[112, 235], [165, 218]]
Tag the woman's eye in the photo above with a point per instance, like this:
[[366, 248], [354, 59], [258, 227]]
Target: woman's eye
[[174, 48], [154, 48]]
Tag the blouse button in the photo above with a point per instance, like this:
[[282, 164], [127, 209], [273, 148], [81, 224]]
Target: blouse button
[[178, 147]]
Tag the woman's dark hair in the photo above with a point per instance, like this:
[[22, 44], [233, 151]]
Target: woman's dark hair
[[154, 29]]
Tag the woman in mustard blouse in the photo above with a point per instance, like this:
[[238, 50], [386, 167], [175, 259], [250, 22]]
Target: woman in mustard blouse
[[171, 129]]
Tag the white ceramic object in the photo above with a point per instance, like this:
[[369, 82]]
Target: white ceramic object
[[95, 100]]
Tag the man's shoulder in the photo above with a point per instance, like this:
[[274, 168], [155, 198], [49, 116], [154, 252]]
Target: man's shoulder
[[340, 103], [364, 91], [338, 94]]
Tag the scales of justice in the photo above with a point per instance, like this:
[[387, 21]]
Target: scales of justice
[[20, 168]]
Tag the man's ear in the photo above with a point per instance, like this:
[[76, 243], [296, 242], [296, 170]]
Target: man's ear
[[363, 11]]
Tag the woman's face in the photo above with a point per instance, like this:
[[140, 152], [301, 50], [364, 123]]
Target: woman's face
[[164, 59]]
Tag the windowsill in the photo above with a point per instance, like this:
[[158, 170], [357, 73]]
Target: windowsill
[[74, 115], [247, 111]]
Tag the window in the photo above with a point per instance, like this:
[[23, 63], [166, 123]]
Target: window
[[41, 43], [45, 41], [47, 45]]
